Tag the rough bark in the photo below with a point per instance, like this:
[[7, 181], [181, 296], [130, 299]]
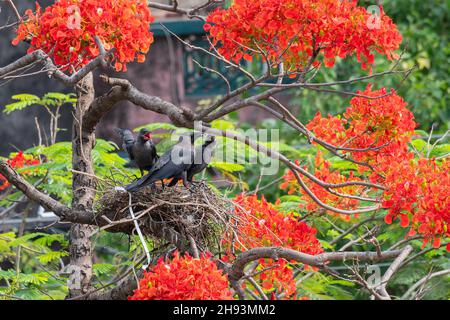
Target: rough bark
[[81, 247]]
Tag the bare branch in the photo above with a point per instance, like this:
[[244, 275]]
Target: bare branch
[[334, 83], [52, 70], [167, 7], [236, 270], [394, 267], [62, 211], [13, 7], [423, 281]]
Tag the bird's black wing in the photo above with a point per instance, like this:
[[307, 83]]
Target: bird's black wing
[[163, 160], [148, 178], [203, 156], [154, 154]]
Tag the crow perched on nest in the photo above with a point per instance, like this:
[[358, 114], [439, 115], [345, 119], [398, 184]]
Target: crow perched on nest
[[174, 163], [202, 157]]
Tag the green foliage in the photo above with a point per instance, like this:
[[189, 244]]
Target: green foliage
[[430, 149], [51, 99], [228, 167], [54, 174], [323, 287], [157, 126], [36, 272]]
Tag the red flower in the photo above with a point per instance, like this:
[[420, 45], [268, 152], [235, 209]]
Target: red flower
[[67, 30], [183, 278], [19, 161], [377, 131], [295, 29], [259, 224]]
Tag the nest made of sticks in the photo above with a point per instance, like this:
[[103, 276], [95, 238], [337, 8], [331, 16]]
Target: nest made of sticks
[[177, 215]]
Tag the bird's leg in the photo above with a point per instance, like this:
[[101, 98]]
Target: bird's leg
[[142, 172], [163, 186], [173, 182], [185, 181]]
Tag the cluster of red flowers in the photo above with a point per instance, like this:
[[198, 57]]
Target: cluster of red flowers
[[418, 193], [296, 29], [183, 278], [323, 172], [376, 125], [376, 132], [20, 160], [259, 223], [374, 128], [67, 30]]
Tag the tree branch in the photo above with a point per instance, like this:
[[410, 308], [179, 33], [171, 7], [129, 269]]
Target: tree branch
[[53, 71], [423, 281], [63, 212], [124, 90], [236, 270]]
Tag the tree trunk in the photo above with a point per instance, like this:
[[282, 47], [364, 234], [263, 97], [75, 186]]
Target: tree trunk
[[83, 186]]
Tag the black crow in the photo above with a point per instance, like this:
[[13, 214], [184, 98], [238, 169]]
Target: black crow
[[175, 162], [142, 151], [202, 158]]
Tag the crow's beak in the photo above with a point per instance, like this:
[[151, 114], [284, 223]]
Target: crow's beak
[[148, 136]]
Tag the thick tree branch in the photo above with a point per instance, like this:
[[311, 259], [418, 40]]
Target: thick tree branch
[[39, 56], [124, 90], [236, 270], [14, 9], [63, 212], [396, 264]]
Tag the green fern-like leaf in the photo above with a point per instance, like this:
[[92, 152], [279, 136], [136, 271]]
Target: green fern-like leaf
[[102, 268], [51, 256], [228, 167], [33, 278]]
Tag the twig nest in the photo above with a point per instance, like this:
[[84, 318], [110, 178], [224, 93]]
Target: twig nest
[[178, 215]]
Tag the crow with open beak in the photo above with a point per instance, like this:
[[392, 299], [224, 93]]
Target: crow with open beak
[[202, 157], [175, 162], [142, 151]]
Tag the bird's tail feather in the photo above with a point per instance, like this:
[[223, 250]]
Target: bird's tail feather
[[125, 134], [134, 186], [146, 180]]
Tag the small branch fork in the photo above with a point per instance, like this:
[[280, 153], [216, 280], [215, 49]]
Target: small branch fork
[[190, 13], [236, 270], [39, 56], [14, 9]]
